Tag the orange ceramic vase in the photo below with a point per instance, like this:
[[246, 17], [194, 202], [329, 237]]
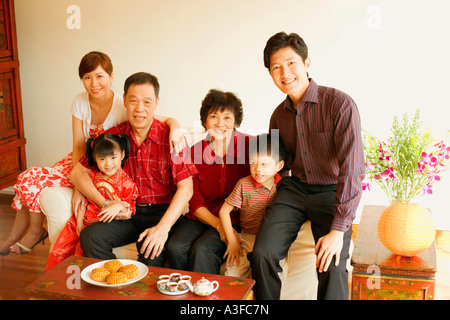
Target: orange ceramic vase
[[406, 229]]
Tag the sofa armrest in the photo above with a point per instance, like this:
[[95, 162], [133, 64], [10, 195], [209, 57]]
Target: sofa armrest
[[56, 204]]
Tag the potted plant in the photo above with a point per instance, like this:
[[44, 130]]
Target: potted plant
[[405, 166]]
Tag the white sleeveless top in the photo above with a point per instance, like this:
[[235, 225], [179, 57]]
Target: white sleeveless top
[[81, 110]]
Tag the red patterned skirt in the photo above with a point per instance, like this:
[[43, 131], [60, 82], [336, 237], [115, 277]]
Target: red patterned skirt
[[31, 182]]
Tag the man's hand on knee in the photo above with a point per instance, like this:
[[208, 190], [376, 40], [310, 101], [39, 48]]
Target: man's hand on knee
[[154, 240], [327, 247]]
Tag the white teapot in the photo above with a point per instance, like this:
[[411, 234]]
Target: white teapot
[[204, 287]]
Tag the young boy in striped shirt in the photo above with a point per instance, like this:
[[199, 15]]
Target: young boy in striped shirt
[[251, 195]]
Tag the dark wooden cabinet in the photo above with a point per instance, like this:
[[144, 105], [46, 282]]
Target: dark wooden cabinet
[[12, 138]]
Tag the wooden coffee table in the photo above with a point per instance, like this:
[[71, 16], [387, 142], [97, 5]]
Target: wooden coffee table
[[54, 285]]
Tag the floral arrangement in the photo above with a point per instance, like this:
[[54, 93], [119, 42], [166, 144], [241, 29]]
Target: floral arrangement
[[409, 163]]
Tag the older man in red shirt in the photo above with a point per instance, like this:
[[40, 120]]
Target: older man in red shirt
[[164, 181]]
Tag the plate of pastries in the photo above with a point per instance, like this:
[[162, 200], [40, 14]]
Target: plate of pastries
[[114, 273]]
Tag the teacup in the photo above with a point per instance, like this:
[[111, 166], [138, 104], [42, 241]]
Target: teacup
[[172, 286], [162, 284], [186, 278], [174, 277], [164, 277], [184, 285]]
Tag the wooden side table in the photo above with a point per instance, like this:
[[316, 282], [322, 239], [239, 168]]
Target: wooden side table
[[378, 274]]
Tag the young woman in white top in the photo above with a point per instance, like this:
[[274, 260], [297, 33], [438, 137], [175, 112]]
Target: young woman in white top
[[93, 111]]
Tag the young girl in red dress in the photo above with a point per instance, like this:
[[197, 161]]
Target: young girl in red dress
[[108, 152]]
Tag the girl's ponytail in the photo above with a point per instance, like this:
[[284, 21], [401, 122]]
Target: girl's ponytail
[[125, 146], [89, 152]]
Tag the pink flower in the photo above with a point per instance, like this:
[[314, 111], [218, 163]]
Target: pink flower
[[427, 189], [389, 172], [434, 177], [365, 185], [421, 168]]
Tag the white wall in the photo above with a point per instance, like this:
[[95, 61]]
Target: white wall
[[390, 56]]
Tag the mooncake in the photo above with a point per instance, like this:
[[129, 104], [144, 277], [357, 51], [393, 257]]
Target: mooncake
[[113, 265], [116, 278], [130, 270], [100, 274]]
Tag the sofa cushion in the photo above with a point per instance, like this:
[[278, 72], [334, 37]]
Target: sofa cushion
[[56, 204], [299, 269]]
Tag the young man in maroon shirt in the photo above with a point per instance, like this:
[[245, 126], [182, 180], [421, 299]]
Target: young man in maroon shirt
[[164, 181], [321, 129]]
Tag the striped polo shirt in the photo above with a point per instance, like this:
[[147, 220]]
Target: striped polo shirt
[[252, 198], [323, 140]]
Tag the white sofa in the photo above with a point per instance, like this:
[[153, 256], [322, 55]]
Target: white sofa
[[300, 281], [299, 270]]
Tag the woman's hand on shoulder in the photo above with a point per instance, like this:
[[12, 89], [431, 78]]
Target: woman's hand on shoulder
[[177, 141], [176, 138]]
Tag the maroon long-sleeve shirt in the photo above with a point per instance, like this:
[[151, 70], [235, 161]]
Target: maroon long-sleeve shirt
[[217, 176], [323, 139]]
